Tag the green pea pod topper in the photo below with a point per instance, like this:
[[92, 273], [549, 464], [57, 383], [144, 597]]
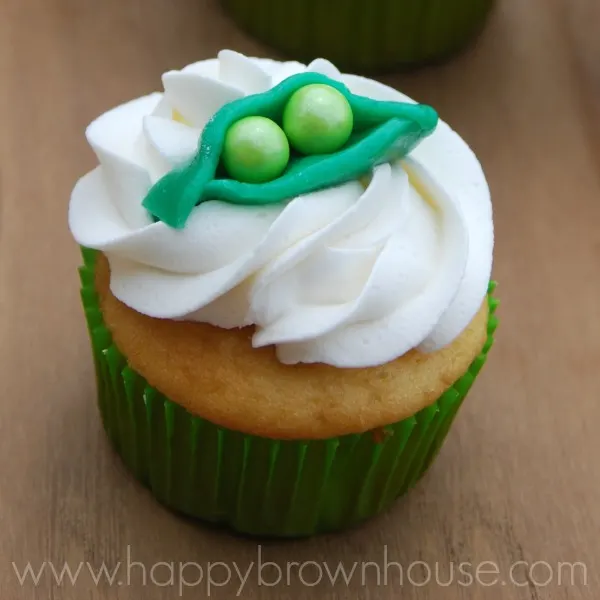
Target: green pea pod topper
[[382, 131]]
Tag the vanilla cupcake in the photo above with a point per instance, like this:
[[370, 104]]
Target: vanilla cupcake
[[287, 288]]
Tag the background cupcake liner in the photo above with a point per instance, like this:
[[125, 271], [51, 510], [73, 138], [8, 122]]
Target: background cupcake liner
[[362, 34], [257, 485]]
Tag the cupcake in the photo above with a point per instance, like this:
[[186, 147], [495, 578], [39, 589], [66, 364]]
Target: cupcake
[[286, 282], [363, 34]]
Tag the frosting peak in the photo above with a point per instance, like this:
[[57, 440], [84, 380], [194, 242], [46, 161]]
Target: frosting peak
[[353, 275]]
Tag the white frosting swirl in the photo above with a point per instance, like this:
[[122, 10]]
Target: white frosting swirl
[[348, 276]]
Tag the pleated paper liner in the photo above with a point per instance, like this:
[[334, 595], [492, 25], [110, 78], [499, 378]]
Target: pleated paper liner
[[363, 35], [257, 485]]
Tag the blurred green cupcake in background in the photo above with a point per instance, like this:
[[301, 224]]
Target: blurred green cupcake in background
[[363, 34]]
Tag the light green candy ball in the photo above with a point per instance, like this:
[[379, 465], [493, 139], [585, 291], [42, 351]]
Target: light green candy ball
[[255, 150], [317, 119]]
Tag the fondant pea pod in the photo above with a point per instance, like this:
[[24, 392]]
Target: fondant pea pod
[[372, 132]]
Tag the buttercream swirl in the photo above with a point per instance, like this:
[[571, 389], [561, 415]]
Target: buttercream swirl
[[353, 276]]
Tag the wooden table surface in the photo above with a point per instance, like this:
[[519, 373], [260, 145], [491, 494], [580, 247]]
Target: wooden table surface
[[518, 479]]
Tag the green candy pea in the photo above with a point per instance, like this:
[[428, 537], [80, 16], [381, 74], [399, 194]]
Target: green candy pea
[[317, 119], [255, 150]]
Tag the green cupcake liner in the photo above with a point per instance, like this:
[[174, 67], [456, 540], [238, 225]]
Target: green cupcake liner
[[363, 34], [256, 485]]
